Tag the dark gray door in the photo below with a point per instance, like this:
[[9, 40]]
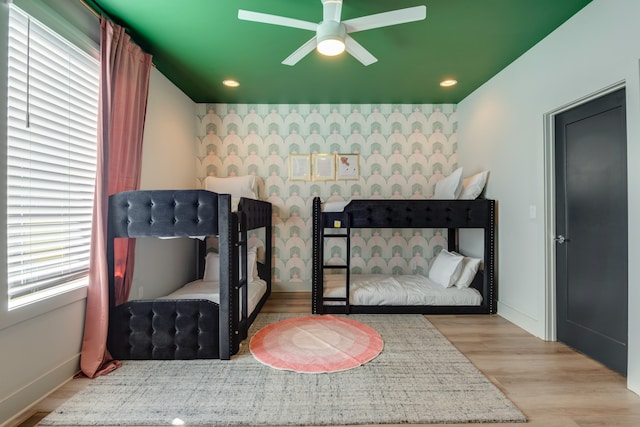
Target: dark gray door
[[591, 229]]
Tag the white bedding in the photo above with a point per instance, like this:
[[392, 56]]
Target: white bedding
[[200, 289], [335, 206], [380, 289]]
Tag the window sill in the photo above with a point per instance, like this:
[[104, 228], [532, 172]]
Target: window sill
[[30, 311]]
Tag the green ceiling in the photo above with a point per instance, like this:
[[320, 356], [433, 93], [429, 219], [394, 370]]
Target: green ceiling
[[198, 43]]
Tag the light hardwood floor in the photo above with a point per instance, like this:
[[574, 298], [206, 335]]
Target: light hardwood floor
[[552, 384]]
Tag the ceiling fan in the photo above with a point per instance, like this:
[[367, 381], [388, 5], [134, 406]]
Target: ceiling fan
[[332, 35]]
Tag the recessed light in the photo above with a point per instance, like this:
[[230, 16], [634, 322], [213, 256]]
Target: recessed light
[[230, 83], [448, 82]]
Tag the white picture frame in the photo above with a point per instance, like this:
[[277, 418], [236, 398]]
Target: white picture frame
[[347, 167], [299, 167], [324, 167]]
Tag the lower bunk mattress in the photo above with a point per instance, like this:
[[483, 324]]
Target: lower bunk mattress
[[397, 290], [209, 290]]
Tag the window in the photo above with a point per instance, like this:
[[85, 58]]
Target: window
[[52, 110]]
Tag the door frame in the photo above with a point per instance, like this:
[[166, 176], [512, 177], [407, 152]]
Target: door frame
[[550, 329]]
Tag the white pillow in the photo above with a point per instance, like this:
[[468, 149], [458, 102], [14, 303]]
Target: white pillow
[[237, 186], [473, 185], [449, 187], [252, 264], [446, 268], [212, 267], [469, 269]]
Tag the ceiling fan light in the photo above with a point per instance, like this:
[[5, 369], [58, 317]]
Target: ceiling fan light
[[330, 37], [331, 46]]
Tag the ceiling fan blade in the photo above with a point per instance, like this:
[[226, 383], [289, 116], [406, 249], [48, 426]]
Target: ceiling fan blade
[[265, 18], [301, 52], [386, 19], [358, 51], [331, 10]]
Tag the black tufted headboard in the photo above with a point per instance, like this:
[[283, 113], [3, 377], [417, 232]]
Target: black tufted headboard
[[165, 213], [416, 213]]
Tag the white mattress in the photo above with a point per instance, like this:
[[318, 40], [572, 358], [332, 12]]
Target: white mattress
[[380, 289], [200, 289], [334, 206]]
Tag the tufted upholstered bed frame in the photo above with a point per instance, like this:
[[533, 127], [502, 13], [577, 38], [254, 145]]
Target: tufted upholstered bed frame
[[392, 213], [186, 329]]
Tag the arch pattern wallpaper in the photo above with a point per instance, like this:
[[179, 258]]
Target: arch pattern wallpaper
[[403, 151]]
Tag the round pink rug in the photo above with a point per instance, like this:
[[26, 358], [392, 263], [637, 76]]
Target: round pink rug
[[316, 344]]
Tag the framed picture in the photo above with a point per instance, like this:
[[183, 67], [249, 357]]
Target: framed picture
[[348, 166], [324, 167], [299, 167]]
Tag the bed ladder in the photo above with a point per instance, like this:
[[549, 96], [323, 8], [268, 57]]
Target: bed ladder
[[346, 225]]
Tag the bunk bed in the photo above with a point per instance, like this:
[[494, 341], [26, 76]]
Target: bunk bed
[[188, 327], [341, 296]]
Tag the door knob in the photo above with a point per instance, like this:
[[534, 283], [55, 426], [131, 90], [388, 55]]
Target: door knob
[[560, 239]]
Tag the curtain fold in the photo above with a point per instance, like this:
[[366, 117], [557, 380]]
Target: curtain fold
[[124, 88]]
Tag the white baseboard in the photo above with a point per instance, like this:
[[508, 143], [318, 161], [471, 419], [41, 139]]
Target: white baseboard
[[16, 405], [521, 319]]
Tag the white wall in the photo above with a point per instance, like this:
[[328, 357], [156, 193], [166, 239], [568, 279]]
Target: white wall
[[168, 154], [502, 130], [169, 148], [38, 355]]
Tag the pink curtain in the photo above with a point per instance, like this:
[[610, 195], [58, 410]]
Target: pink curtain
[[124, 86]]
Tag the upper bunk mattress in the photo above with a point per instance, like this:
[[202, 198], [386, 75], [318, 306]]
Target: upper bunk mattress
[[403, 290]]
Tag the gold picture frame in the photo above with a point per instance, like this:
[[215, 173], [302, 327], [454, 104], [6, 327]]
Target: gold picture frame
[[299, 167], [347, 167], [323, 167]]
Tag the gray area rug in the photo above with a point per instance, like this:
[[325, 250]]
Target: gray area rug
[[419, 377]]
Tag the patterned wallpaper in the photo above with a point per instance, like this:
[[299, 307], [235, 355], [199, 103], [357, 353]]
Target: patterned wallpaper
[[403, 151]]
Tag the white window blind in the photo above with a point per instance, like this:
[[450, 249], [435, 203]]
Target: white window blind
[[51, 158]]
